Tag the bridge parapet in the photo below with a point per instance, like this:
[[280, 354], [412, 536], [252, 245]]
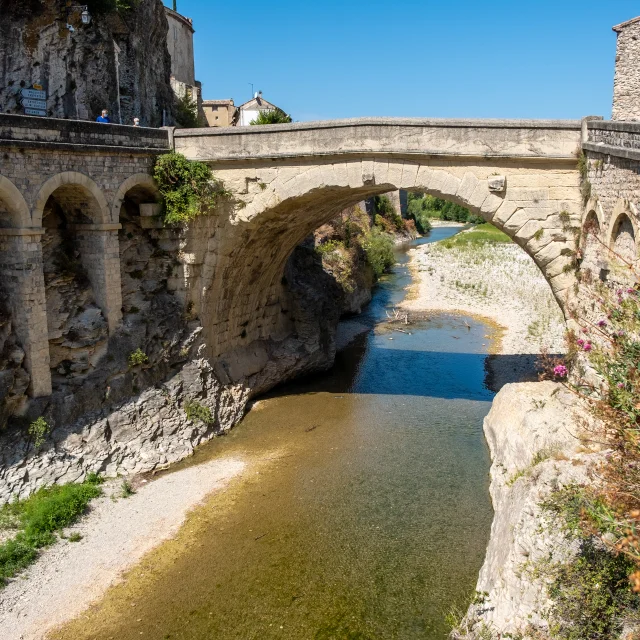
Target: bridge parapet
[[76, 135], [392, 137]]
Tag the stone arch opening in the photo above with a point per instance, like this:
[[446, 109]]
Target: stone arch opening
[[245, 300], [593, 262], [23, 336], [81, 274], [623, 238], [146, 258]]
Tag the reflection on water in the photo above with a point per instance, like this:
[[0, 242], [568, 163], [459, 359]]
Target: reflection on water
[[370, 520]]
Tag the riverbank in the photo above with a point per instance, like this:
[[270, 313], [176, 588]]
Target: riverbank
[[494, 281], [114, 536]]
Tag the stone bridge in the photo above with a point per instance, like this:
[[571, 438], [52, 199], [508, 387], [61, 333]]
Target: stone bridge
[[286, 180]]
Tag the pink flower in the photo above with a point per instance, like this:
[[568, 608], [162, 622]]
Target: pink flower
[[580, 342], [585, 330], [602, 323], [560, 371], [587, 347], [620, 385], [631, 290]]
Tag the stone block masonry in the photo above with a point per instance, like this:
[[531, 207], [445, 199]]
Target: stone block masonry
[[626, 84]]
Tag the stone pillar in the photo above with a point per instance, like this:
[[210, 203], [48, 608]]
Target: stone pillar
[[100, 255], [626, 83], [22, 280], [394, 197]]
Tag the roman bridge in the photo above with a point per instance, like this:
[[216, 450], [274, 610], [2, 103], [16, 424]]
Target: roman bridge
[[286, 180]]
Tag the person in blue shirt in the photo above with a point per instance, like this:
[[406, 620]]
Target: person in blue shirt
[[104, 117]]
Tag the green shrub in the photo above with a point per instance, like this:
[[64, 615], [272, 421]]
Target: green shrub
[[273, 116], [138, 357], [38, 431], [195, 411], [187, 187], [126, 489], [482, 234], [38, 518], [591, 595], [187, 112], [378, 248]]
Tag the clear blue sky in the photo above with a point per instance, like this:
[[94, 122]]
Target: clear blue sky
[[429, 58]]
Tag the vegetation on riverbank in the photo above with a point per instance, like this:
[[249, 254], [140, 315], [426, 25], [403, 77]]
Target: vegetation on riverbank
[[422, 208], [479, 236], [350, 240], [37, 519], [597, 594]]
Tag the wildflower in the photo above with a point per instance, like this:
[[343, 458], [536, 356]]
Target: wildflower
[[585, 330], [580, 342], [560, 371], [631, 290], [620, 385], [620, 333], [619, 292], [602, 323], [587, 347]]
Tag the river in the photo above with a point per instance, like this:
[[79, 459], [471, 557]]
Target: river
[[364, 515]]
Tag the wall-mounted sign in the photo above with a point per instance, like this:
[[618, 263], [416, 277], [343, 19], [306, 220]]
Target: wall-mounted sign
[[27, 103], [35, 112], [34, 94], [34, 101]]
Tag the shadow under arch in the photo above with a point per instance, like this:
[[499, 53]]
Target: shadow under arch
[[246, 288], [623, 235]]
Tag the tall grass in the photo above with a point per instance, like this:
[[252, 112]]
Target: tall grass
[[38, 518]]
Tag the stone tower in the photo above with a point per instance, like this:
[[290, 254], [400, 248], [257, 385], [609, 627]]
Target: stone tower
[[626, 84]]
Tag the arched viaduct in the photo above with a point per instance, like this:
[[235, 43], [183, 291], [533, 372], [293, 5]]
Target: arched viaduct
[[286, 180]]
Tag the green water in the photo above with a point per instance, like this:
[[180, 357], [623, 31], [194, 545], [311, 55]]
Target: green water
[[365, 513]]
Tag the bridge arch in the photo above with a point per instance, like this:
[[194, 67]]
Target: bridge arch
[[293, 201], [14, 211], [77, 192], [623, 231], [141, 187]]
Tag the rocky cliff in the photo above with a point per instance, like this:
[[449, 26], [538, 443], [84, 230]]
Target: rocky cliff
[[533, 434], [119, 61]]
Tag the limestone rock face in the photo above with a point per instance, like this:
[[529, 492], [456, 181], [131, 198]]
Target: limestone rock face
[[531, 432], [119, 61]]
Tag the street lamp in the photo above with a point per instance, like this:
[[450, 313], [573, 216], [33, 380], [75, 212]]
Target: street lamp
[[85, 16]]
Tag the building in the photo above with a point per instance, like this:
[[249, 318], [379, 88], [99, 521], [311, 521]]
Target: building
[[220, 113], [626, 84], [183, 68], [249, 110]]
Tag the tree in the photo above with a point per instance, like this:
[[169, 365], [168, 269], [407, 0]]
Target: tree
[[273, 116], [187, 112]]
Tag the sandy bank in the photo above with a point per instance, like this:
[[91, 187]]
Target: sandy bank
[[117, 533], [499, 282]]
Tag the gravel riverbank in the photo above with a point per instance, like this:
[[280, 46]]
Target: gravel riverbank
[[116, 534], [499, 282]]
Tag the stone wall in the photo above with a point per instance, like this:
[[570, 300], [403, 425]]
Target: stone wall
[[626, 84]]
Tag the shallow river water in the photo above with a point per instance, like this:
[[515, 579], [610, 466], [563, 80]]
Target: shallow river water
[[364, 512]]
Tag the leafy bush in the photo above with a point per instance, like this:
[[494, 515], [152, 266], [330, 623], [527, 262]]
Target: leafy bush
[[195, 411], [378, 247], [187, 187], [273, 116], [187, 112], [38, 518], [138, 357], [385, 215], [38, 431], [421, 206]]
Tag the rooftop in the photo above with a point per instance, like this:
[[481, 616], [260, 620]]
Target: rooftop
[[619, 27]]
